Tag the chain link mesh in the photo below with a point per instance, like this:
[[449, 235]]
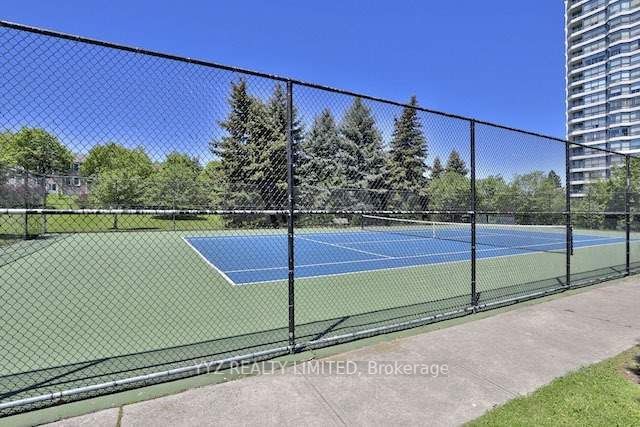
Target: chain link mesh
[[149, 211]]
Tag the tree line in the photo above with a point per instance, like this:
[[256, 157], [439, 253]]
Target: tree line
[[340, 163], [604, 201]]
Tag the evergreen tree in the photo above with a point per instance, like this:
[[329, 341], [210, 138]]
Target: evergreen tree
[[365, 157], [321, 167], [436, 168], [262, 189], [232, 149], [276, 111], [406, 163], [456, 164]]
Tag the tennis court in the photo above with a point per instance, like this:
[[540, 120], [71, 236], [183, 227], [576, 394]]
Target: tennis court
[[380, 244], [136, 252]]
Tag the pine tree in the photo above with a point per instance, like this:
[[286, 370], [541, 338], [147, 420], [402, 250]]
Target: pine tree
[[456, 164], [365, 157], [276, 111], [408, 154], [262, 138], [436, 168], [232, 149], [321, 168]]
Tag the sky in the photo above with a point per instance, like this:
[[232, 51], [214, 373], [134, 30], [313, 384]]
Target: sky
[[496, 60]]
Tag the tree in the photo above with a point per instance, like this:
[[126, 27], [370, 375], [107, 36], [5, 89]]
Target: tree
[[253, 153], [606, 196], [121, 175], [366, 167], [8, 196], [263, 191], [5, 140], [35, 150], [451, 191], [321, 168], [176, 183], [456, 164], [554, 179], [536, 197], [5, 149], [232, 149], [408, 152], [112, 156], [276, 162], [38, 153], [436, 168], [211, 181], [494, 194]]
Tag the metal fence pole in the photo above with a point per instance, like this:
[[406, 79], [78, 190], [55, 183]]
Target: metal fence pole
[[290, 218], [472, 135], [627, 214], [567, 213]]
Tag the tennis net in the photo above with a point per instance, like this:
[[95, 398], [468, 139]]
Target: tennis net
[[536, 238]]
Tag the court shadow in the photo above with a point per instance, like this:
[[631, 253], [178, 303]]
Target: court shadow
[[14, 248], [36, 382]]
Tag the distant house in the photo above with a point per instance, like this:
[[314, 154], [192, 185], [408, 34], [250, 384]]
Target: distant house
[[20, 188], [70, 184]]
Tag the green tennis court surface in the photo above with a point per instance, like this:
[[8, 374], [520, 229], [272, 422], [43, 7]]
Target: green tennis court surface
[[71, 294]]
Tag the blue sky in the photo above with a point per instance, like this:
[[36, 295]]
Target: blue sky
[[497, 60]]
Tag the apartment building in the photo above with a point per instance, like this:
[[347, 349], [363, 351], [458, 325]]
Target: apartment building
[[603, 85]]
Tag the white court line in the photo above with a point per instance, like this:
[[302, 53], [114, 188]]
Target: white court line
[[226, 277], [343, 247], [400, 268], [407, 257], [222, 273]]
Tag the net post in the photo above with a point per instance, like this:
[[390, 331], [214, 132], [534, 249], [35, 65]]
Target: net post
[[567, 214], [627, 214], [290, 218], [472, 202]]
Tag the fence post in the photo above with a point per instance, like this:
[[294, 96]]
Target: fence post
[[627, 214], [567, 213], [290, 218], [472, 135]]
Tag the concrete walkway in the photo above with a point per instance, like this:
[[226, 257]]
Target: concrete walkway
[[473, 367]]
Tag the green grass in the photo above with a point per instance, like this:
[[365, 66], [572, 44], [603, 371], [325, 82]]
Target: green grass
[[87, 223], [79, 297], [604, 394]]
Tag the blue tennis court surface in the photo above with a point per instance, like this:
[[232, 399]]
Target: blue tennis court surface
[[250, 259]]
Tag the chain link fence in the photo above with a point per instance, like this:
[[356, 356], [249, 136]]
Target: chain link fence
[[161, 217]]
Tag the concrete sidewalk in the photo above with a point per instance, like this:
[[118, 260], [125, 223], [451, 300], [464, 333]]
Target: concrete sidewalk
[[489, 361]]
